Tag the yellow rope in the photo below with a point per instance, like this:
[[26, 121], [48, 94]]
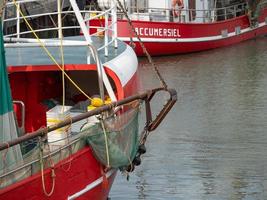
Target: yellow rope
[[47, 52], [69, 147], [53, 174]]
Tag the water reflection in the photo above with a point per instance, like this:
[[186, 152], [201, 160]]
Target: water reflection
[[213, 144]]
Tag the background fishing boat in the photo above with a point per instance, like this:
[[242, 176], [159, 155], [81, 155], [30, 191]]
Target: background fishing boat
[[195, 26], [57, 141]]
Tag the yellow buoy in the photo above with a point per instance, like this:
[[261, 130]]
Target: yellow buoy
[[97, 102], [108, 100]]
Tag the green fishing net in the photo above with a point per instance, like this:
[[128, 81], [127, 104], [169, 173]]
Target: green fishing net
[[121, 139]]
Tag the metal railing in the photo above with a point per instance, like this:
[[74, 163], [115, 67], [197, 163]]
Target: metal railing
[[54, 24], [189, 15], [14, 25]]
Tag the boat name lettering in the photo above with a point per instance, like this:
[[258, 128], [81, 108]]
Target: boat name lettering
[[162, 32]]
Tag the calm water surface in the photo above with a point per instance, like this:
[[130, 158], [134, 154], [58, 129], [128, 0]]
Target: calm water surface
[[213, 145]]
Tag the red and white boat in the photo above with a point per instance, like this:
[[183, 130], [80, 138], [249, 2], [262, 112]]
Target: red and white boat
[[51, 80], [166, 28]]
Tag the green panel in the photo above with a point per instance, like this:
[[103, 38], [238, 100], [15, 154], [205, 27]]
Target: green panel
[[5, 97]]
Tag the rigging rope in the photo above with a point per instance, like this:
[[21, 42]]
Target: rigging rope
[[163, 83], [52, 166], [69, 148], [47, 51], [60, 35], [106, 142]]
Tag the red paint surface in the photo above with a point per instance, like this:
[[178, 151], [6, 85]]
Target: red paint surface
[[33, 84], [72, 175], [191, 30], [162, 48], [32, 88]]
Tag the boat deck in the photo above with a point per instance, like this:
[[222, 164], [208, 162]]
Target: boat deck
[[36, 56]]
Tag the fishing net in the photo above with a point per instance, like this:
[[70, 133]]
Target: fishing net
[[115, 140], [30, 165]]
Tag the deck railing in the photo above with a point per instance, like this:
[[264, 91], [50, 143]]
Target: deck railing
[[188, 15], [49, 23]]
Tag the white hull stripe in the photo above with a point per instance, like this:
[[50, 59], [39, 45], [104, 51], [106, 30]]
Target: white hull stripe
[[125, 65], [91, 185], [200, 39]]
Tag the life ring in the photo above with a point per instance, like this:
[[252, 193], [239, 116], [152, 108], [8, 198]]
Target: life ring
[[180, 4]]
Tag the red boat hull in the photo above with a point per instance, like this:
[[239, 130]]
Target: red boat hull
[[72, 176], [164, 38], [80, 176], [71, 170]]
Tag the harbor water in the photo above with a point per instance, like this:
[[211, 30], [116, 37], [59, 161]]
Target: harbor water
[[213, 144]]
